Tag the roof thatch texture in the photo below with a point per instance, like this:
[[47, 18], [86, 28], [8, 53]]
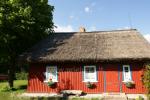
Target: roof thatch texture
[[90, 46]]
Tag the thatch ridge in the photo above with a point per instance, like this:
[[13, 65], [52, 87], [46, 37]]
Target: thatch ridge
[[98, 46]]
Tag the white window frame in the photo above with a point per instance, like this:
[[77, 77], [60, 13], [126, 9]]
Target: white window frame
[[124, 76], [46, 74], [95, 74]]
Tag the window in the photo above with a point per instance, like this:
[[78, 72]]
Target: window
[[90, 74], [51, 73], [126, 73]]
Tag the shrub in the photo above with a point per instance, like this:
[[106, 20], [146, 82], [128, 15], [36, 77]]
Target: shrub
[[140, 98], [146, 78], [22, 76]]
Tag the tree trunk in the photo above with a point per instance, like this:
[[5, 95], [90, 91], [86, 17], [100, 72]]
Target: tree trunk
[[11, 76]]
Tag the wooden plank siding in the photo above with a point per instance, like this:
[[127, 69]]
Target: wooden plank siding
[[70, 77], [136, 71]]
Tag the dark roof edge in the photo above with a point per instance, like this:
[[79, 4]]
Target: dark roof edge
[[91, 60]]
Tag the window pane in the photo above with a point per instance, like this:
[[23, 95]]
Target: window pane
[[89, 70], [52, 73], [126, 73], [90, 73], [126, 69]]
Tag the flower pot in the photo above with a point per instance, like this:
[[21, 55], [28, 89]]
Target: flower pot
[[90, 85], [130, 84], [51, 84]]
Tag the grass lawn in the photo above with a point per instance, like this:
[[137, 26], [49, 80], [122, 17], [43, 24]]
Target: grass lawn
[[20, 87], [7, 94]]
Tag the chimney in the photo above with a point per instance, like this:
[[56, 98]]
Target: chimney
[[82, 29]]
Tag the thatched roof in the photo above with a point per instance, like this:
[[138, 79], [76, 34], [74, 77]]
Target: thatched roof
[[90, 46]]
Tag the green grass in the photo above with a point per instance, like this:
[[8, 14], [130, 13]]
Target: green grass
[[78, 98], [11, 94], [20, 87]]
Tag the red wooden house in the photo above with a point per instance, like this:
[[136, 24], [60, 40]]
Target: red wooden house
[[94, 62]]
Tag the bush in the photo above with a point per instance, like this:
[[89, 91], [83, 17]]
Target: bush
[[140, 98], [22, 76], [146, 78]]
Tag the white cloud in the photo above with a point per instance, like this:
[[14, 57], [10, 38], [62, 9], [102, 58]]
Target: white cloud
[[87, 9], [147, 36], [67, 28], [71, 16]]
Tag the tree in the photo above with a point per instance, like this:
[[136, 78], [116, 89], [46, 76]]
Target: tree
[[146, 78], [22, 24]]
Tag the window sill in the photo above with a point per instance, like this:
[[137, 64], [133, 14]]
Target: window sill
[[48, 81], [128, 81]]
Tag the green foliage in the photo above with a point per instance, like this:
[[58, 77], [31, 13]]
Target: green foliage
[[130, 84], [22, 76], [50, 83], [22, 24], [140, 98], [146, 77], [148, 96], [3, 69], [90, 85]]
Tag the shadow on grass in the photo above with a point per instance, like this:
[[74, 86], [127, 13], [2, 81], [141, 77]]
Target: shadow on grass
[[23, 87], [20, 88]]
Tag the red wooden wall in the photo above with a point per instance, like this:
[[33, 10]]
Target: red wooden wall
[[136, 77], [109, 79], [67, 79]]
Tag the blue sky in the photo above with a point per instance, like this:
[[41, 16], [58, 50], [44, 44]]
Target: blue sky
[[99, 15]]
